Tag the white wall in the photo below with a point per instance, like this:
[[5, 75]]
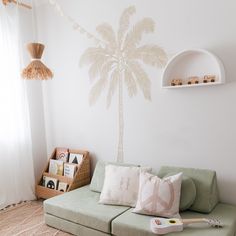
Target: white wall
[[193, 127]]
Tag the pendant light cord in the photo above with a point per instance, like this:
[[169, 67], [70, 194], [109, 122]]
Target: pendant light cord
[[34, 22]]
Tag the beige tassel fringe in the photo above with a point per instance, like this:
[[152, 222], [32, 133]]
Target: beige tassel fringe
[[36, 69]]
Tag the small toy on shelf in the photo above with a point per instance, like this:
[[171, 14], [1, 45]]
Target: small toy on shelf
[[209, 78], [175, 82], [193, 80]]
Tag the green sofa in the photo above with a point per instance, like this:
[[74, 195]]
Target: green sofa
[[78, 212]]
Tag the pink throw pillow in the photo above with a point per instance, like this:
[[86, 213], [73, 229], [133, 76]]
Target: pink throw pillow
[[159, 197]]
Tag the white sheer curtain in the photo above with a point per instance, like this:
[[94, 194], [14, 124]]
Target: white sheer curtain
[[16, 162]]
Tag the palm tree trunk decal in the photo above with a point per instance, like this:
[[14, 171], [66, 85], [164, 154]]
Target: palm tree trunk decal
[[117, 64], [120, 153]]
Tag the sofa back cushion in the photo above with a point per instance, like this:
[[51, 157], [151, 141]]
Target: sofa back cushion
[[188, 192], [206, 186], [99, 175]]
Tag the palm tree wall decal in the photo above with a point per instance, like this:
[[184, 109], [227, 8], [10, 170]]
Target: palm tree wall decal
[[117, 63]]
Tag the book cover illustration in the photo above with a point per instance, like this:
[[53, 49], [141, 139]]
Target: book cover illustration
[[51, 183], [62, 154], [56, 167], [75, 158], [62, 186], [69, 170]]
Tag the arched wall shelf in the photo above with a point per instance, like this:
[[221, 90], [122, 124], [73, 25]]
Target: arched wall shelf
[[193, 62]]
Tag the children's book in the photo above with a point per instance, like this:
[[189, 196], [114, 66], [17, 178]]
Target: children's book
[[56, 167]]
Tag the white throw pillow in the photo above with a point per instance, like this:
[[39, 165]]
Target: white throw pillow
[[121, 185], [159, 197]]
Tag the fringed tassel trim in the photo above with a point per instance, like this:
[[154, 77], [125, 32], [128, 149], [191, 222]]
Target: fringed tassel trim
[[37, 70]]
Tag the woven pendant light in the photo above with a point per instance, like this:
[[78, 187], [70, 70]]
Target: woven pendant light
[[36, 69], [5, 2]]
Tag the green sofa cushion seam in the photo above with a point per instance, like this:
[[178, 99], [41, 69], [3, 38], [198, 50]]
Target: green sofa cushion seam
[[78, 224], [116, 217]]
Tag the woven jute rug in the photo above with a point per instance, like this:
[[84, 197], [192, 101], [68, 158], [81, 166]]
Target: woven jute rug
[[26, 219]]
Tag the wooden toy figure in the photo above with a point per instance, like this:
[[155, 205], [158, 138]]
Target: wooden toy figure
[[209, 78], [175, 82], [193, 80]]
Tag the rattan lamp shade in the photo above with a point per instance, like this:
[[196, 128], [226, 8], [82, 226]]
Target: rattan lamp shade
[[5, 2], [36, 69]]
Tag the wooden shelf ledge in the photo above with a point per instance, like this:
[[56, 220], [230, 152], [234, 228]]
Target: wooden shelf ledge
[[59, 177]]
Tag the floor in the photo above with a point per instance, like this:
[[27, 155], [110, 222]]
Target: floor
[[26, 219]]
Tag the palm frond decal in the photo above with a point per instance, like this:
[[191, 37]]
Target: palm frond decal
[[117, 63], [142, 79], [149, 54], [101, 83], [130, 82], [92, 55], [124, 23], [106, 32], [115, 75], [144, 26]]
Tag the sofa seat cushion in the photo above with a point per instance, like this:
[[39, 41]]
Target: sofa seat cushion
[[129, 224], [71, 227], [81, 206]]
